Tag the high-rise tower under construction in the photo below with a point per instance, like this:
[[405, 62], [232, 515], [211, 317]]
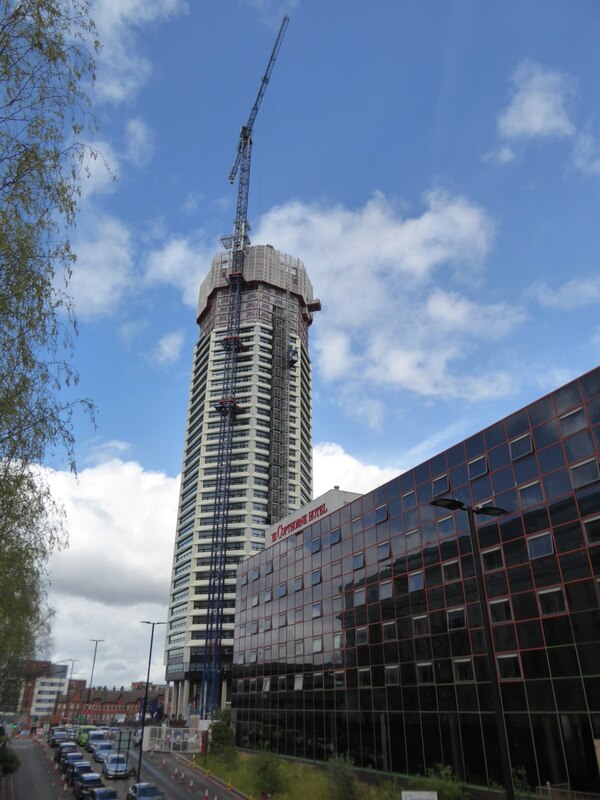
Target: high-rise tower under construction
[[268, 458]]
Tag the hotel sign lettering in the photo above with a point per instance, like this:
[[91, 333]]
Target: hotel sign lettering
[[298, 523]]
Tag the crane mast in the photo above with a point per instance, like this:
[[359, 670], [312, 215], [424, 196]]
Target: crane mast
[[227, 407]]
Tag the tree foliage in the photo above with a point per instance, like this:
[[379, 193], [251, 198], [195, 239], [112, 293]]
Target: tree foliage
[[9, 760], [46, 71], [267, 772]]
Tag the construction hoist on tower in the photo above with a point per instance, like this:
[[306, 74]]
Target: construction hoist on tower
[[227, 406]]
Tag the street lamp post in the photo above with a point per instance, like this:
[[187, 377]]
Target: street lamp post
[[96, 643], [62, 661], [153, 624], [451, 504]]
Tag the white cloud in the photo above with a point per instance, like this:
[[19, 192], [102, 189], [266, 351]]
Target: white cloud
[[104, 268], [388, 327], [116, 570], [121, 68], [97, 452], [332, 466], [181, 262], [586, 154], [539, 104], [169, 348], [139, 142], [572, 294]]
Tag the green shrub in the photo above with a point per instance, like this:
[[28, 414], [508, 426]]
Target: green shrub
[[9, 760], [441, 779], [343, 783], [267, 772]]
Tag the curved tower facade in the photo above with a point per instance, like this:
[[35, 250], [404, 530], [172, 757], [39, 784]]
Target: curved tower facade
[[271, 448]]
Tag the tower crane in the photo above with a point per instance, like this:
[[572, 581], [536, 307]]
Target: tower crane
[[227, 406]]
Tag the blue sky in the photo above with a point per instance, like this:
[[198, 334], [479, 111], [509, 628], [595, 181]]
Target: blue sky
[[436, 165]]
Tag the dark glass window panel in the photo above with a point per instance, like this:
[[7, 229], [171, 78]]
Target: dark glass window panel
[[422, 648], [563, 511], [415, 581], [381, 514], [492, 559], [420, 626], [552, 601], [540, 411], [540, 546], [451, 571], [425, 673], [383, 551], [521, 447], [524, 606], [588, 659], [503, 479], [499, 457], [315, 545], [583, 474], [422, 473], [531, 495], [574, 565], [438, 464], [335, 536], [586, 625], [454, 594], [545, 571], [385, 590], [530, 634], [358, 560], [435, 598], [551, 458], [434, 575], [411, 520], [315, 577], [517, 424], [590, 383], [515, 552], [582, 595], [568, 537], [456, 619], [536, 520], [526, 469], [478, 467], [459, 476], [448, 549], [540, 696], [557, 484], [446, 527], [593, 410], [557, 630], [281, 590], [297, 584], [573, 422], [570, 697], [474, 446], [481, 489], [407, 481], [511, 529], [535, 664], [579, 446], [463, 672], [456, 455], [567, 397], [440, 485], [504, 638], [496, 584], [500, 611], [509, 667], [547, 434], [409, 500], [588, 500], [592, 529]]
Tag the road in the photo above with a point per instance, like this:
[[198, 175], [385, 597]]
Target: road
[[38, 780]]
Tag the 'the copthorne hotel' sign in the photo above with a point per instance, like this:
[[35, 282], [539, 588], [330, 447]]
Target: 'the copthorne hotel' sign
[[299, 522]]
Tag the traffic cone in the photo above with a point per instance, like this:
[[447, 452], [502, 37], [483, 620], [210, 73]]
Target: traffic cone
[[206, 794], [191, 786], [182, 777], [174, 775], [163, 763]]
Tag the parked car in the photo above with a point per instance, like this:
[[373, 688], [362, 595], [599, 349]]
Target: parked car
[[57, 735], [115, 766], [104, 794], [68, 758], [94, 737], [102, 750], [144, 791], [84, 783], [77, 769], [62, 748]]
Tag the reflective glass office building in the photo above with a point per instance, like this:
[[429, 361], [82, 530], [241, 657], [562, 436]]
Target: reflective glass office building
[[361, 632]]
